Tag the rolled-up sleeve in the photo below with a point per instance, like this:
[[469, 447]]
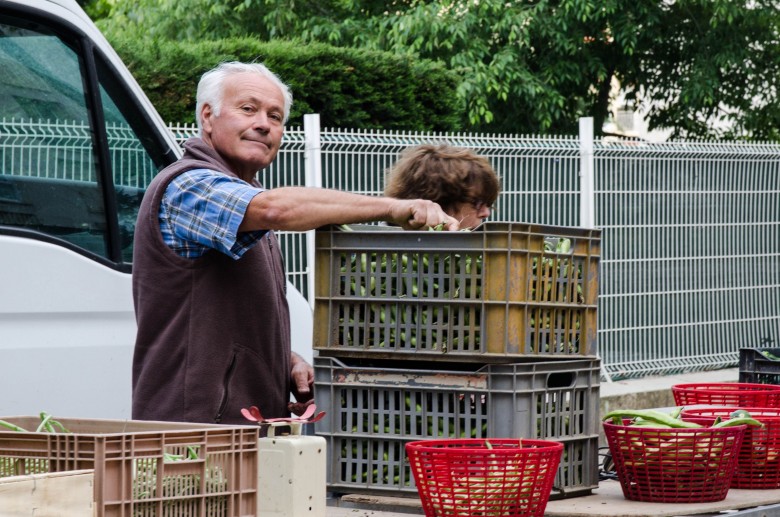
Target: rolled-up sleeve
[[202, 209]]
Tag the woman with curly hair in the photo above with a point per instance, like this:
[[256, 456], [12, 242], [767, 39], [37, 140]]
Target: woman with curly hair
[[463, 183]]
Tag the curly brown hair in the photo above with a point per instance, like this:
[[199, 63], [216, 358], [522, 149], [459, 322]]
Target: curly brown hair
[[442, 173]]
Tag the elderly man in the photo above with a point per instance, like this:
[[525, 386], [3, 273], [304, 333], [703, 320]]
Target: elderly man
[[208, 279]]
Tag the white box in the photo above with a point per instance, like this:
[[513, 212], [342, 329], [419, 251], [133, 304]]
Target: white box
[[291, 476]]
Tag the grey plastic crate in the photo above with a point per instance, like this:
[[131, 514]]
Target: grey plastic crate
[[506, 292], [374, 408]]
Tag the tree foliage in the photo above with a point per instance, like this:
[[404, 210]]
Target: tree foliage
[[705, 68], [709, 69]]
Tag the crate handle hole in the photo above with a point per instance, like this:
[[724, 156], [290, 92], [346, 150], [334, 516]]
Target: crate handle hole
[[560, 380]]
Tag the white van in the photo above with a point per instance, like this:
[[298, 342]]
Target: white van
[[79, 142]]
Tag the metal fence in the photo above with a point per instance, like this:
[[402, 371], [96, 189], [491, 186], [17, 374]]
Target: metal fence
[[691, 249], [63, 149], [690, 267]]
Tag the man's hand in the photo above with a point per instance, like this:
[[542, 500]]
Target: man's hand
[[419, 214], [299, 408], [302, 379]]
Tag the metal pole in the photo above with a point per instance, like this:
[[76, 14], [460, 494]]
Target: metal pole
[[587, 202], [587, 196], [313, 166]]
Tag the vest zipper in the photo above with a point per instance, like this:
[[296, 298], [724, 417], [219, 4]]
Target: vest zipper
[[223, 403]]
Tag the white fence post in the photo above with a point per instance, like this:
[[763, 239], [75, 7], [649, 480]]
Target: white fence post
[[587, 196], [313, 165], [587, 201]]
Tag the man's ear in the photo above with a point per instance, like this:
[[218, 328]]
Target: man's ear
[[206, 113]]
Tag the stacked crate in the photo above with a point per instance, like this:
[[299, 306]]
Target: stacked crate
[[483, 334]]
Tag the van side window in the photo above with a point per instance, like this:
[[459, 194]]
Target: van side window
[[54, 179], [132, 164], [48, 172]]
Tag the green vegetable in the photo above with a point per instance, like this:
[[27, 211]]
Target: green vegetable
[[47, 425], [12, 427], [744, 420], [652, 415], [655, 418], [739, 413]]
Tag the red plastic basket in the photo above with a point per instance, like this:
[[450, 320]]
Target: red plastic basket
[[468, 478], [662, 465], [758, 466], [727, 394]]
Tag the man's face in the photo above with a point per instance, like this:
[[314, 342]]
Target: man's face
[[248, 131]]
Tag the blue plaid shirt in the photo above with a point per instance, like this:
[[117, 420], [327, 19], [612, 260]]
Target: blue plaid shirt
[[202, 209]]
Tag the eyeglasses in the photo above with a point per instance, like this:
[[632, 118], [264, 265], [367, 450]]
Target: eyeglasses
[[478, 205]]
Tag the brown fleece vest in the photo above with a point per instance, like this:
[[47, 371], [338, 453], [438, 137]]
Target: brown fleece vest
[[213, 332]]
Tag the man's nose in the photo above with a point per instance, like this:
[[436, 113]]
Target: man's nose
[[261, 121]]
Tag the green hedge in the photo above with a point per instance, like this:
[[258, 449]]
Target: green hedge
[[349, 88]]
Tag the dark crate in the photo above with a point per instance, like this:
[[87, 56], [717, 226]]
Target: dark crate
[[505, 292], [374, 409], [758, 368], [144, 469]]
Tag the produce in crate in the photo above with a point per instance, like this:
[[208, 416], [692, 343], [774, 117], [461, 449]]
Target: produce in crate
[[506, 290], [769, 355], [10, 466], [145, 482], [431, 299]]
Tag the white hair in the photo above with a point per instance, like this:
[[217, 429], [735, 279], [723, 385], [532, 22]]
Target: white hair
[[211, 88]]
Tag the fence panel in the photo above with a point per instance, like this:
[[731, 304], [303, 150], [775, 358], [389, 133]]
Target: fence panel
[[690, 254], [539, 175]]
